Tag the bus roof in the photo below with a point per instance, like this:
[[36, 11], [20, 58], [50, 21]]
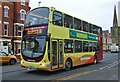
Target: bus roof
[[53, 8]]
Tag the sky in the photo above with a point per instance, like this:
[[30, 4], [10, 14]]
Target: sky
[[98, 12]]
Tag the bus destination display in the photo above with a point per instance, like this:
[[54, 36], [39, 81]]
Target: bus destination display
[[36, 31]]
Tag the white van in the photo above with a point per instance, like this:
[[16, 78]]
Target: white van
[[114, 49]]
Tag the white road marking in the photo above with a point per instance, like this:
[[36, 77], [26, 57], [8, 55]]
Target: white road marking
[[111, 65]]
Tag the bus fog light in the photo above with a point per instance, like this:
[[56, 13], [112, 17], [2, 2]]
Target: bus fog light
[[47, 65], [22, 62]]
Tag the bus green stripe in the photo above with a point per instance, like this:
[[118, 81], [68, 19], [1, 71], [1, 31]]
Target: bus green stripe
[[82, 35]]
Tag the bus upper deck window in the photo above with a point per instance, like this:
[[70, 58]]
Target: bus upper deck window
[[77, 24], [57, 18], [68, 21]]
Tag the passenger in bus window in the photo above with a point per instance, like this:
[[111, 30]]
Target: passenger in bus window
[[79, 27]]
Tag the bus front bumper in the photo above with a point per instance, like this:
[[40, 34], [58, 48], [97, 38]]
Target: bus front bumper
[[38, 66]]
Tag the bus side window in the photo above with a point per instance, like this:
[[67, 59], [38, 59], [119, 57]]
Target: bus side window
[[94, 46], [85, 46], [90, 28], [85, 26], [57, 18], [68, 47], [91, 46], [77, 24], [99, 31], [78, 46], [68, 21], [96, 30]]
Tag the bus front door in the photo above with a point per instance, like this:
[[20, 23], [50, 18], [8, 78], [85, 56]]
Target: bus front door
[[57, 54]]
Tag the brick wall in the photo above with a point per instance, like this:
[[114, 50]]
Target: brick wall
[[13, 18]]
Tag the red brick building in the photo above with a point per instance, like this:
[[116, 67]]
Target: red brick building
[[11, 24]]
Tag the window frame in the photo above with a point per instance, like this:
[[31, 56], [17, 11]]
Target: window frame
[[20, 31], [22, 14], [6, 11]]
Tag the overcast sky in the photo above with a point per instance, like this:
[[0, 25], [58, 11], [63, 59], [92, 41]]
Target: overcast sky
[[99, 12]]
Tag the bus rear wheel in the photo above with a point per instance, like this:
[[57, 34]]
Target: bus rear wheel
[[68, 64]]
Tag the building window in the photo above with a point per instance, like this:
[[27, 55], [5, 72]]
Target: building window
[[5, 29], [5, 43], [19, 48], [22, 2], [6, 9], [19, 31], [57, 18], [22, 14]]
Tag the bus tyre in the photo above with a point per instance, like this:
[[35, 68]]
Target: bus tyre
[[95, 60], [68, 64], [12, 61]]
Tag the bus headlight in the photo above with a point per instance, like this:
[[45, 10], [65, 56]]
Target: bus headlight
[[22, 62]]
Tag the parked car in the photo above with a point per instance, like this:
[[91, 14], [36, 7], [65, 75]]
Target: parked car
[[7, 58], [114, 49]]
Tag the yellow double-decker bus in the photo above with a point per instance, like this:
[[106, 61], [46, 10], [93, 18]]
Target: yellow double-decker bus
[[53, 40]]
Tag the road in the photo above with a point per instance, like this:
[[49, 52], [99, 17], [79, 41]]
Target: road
[[107, 69]]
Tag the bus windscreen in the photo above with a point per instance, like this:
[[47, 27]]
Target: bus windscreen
[[33, 46]]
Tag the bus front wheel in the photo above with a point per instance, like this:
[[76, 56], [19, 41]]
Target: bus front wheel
[[68, 64]]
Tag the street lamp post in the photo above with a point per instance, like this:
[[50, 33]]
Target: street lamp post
[[39, 3]]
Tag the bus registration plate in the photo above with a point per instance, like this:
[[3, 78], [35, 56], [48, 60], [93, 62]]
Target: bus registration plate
[[31, 67]]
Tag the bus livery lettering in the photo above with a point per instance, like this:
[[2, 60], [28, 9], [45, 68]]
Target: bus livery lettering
[[85, 58], [80, 35], [83, 36]]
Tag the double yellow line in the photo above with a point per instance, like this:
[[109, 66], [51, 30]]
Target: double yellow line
[[77, 74]]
